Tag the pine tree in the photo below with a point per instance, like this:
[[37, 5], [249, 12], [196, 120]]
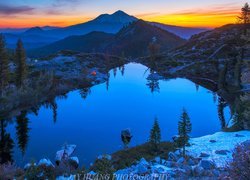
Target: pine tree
[[155, 134], [244, 17], [184, 129], [21, 70], [4, 64]]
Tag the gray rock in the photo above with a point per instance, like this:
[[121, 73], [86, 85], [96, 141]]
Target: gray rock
[[142, 169], [172, 156], [222, 152], [238, 135], [191, 162], [181, 160], [197, 171], [158, 160], [216, 172], [45, 162], [204, 154], [206, 164], [169, 163], [143, 162], [212, 141]]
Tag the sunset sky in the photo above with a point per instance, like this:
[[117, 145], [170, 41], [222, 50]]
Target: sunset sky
[[191, 13]]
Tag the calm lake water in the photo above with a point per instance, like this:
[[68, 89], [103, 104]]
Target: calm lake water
[[94, 124]]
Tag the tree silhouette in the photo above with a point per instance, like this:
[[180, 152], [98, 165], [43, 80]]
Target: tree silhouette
[[155, 134], [184, 129], [115, 71], [22, 130], [153, 85], [84, 92], [6, 144], [21, 70], [107, 81], [54, 109], [126, 137], [123, 70], [244, 17], [4, 64]]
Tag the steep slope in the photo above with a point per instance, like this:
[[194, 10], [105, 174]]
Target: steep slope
[[223, 42], [183, 32], [134, 40], [92, 42]]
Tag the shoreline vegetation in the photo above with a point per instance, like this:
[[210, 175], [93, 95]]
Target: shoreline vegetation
[[216, 59]]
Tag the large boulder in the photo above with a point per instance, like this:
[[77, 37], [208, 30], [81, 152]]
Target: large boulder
[[45, 162], [73, 162], [65, 153], [172, 156], [203, 155], [207, 164], [197, 170], [222, 152], [181, 160], [160, 169], [142, 167]]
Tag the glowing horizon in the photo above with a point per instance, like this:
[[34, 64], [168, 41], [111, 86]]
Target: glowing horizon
[[61, 13]]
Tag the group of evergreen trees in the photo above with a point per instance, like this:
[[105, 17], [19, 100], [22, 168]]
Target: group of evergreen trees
[[20, 62], [184, 129]]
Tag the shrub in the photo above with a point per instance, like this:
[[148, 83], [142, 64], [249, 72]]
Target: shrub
[[10, 171], [239, 168]]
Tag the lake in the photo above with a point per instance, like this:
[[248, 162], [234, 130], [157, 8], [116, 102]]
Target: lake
[[95, 123]]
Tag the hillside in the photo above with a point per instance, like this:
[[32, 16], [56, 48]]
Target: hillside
[[183, 32], [222, 42], [92, 42], [133, 41]]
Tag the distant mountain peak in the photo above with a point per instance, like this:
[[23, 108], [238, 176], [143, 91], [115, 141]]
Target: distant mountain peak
[[120, 12], [35, 30], [117, 17]]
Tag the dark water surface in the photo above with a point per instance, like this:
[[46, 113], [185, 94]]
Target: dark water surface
[[94, 124]]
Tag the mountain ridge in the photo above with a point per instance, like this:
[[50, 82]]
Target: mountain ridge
[[132, 40]]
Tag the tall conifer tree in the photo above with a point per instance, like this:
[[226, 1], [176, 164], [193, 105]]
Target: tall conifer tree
[[184, 129], [21, 70], [4, 64]]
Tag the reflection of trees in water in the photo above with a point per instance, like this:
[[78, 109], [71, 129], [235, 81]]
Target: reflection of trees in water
[[115, 72], [107, 82], [6, 144], [84, 92], [22, 131], [153, 83], [51, 104], [122, 69], [197, 87]]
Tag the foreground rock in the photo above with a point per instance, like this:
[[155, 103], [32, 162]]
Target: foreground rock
[[204, 159]]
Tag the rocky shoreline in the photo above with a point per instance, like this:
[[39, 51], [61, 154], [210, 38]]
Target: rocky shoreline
[[202, 161]]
